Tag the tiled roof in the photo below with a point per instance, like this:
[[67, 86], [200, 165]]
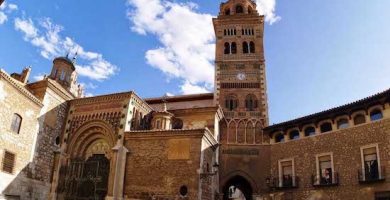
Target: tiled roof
[[179, 98]]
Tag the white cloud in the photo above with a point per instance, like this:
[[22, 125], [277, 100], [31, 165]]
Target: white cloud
[[12, 7], [188, 88], [39, 77], [51, 44], [3, 18], [267, 8], [187, 37]]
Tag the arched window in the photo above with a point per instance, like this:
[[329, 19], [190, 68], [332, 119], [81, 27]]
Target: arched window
[[294, 135], [245, 47], [242, 31], [177, 124], [239, 9], [252, 47], [359, 119], [231, 102], [279, 138], [16, 123], [376, 115], [227, 11], [326, 127], [309, 131], [251, 102], [235, 32], [224, 32], [234, 48], [342, 123], [227, 48]]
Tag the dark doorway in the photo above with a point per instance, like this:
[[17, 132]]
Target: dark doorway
[[382, 196], [87, 180], [237, 186]]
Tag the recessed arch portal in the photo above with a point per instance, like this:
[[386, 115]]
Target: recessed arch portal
[[238, 188]]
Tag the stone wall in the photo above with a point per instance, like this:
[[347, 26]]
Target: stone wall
[[13, 100], [345, 145], [160, 163]]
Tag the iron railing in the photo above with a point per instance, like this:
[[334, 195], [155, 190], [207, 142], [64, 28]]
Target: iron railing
[[368, 176], [319, 180]]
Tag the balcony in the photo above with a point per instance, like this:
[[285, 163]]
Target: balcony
[[286, 183], [367, 177], [323, 181]]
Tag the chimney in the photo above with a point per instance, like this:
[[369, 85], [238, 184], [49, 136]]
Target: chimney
[[25, 74]]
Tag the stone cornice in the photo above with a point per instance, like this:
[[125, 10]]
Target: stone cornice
[[53, 85], [20, 87], [144, 134], [103, 98]]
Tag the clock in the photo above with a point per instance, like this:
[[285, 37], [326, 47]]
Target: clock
[[241, 76]]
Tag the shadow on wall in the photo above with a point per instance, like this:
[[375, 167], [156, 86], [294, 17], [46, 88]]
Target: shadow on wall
[[33, 181]]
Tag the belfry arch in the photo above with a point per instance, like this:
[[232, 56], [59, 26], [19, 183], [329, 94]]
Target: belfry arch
[[88, 169]]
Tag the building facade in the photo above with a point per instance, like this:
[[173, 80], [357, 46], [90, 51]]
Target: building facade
[[57, 144]]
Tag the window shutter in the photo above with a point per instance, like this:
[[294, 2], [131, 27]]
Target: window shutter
[[8, 162]]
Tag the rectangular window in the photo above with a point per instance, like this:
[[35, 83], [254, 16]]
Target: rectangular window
[[325, 170], [371, 170], [8, 162], [287, 173], [16, 123]]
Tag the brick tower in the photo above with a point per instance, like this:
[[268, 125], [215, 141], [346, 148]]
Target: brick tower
[[240, 89], [240, 70]]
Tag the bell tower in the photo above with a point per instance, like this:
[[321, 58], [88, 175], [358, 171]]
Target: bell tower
[[240, 86]]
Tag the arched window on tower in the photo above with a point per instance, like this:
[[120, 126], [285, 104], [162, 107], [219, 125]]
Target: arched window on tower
[[251, 102], [227, 11], [239, 9], [252, 47], [231, 102], [376, 115], [16, 123], [245, 47], [234, 48], [227, 48]]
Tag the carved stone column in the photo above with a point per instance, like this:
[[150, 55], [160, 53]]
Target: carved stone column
[[116, 184]]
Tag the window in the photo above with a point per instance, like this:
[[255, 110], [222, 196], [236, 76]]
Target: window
[[63, 74], [251, 102], [177, 124], [57, 141], [158, 124], [325, 170], [227, 11], [231, 102], [376, 115], [234, 48], [309, 131], [342, 123], [359, 119], [326, 127], [239, 9], [8, 162], [294, 135], [245, 47], [252, 47], [286, 173], [227, 48], [370, 164], [183, 191], [16, 123], [279, 138], [250, 10]]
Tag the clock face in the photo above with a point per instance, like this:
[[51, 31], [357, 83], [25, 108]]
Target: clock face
[[241, 76]]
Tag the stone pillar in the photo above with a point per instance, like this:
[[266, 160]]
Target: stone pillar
[[117, 175]]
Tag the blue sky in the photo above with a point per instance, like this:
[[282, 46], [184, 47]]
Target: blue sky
[[319, 54]]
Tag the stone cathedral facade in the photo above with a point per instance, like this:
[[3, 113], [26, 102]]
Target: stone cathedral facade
[[57, 144]]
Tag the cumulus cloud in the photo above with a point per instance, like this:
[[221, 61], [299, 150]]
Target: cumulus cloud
[[6, 9], [187, 50], [267, 8], [187, 39], [46, 36]]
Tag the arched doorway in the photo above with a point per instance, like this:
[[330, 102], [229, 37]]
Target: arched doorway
[[87, 180], [237, 188]]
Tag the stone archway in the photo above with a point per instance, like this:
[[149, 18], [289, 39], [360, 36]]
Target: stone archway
[[237, 188], [87, 172]]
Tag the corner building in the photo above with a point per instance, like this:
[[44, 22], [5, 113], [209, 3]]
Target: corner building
[[57, 144]]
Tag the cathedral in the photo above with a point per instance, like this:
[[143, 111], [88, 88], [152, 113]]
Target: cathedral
[[57, 144]]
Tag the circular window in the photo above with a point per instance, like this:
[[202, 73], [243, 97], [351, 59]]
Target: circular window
[[183, 190], [58, 140]]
